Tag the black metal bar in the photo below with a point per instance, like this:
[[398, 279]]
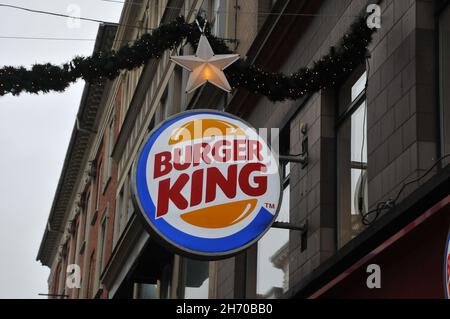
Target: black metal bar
[[301, 158], [351, 109], [293, 158], [358, 165], [284, 225]]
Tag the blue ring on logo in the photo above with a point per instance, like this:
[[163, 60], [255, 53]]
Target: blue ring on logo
[[200, 244]]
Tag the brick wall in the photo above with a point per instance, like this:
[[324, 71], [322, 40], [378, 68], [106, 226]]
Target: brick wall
[[401, 119], [313, 188], [106, 199]]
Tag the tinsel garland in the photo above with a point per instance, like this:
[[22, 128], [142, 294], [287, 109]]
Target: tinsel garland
[[330, 70]]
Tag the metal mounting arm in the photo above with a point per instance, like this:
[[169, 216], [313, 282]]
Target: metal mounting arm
[[301, 158], [284, 225]]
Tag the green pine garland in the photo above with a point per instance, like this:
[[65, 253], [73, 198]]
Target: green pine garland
[[330, 70]]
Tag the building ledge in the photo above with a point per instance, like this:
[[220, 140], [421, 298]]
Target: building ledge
[[125, 253]]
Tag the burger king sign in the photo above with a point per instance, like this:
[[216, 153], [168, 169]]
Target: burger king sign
[[206, 184]]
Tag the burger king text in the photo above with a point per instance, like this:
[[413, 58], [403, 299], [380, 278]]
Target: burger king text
[[244, 151]]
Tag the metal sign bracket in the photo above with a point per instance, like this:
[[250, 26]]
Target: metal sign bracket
[[301, 158]]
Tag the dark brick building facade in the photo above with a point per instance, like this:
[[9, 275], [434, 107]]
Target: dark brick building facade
[[375, 144]]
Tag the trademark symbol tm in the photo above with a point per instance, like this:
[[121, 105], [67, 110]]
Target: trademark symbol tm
[[269, 205]]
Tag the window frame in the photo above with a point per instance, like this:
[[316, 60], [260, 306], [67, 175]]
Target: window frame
[[341, 119], [118, 215], [184, 274], [102, 240], [441, 7], [98, 185], [107, 153], [284, 148], [57, 279], [92, 280]]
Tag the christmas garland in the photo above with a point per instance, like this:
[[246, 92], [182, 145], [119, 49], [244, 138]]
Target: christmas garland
[[330, 70]]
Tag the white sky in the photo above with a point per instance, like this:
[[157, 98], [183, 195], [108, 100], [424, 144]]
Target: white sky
[[35, 132]]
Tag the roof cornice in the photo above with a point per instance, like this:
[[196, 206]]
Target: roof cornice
[[75, 155]]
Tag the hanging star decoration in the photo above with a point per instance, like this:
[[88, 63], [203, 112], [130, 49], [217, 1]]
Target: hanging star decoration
[[205, 66]]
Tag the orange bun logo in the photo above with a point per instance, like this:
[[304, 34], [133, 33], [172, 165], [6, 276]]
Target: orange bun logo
[[207, 184]]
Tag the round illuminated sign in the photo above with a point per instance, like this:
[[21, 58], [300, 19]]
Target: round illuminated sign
[[447, 267], [206, 184]]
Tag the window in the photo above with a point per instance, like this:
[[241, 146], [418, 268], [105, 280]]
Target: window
[[56, 279], [122, 98], [217, 17], [165, 110], [196, 279], [102, 240], [84, 210], [124, 208], [144, 22], [272, 273], [130, 206], [97, 199], [444, 77], [74, 245], [88, 216], [91, 276], [128, 84], [64, 262], [273, 251], [158, 12], [108, 147], [154, 288], [352, 160], [175, 91], [145, 291], [118, 216], [166, 282], [76, 248]]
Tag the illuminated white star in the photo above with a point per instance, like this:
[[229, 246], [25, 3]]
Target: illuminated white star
[[205, 66]]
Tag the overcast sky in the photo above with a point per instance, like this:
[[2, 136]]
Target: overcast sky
[[35, 132]]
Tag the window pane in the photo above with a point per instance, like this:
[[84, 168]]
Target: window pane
[[283, 214], [359, 190], [444, 67], [118, 217], [197, 279], [287, 169], [102, 244], [358, 129], [130, 208], [359, 86], [148, 291], [98, 177], [352, 173], [87, 217], [273, 261]]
